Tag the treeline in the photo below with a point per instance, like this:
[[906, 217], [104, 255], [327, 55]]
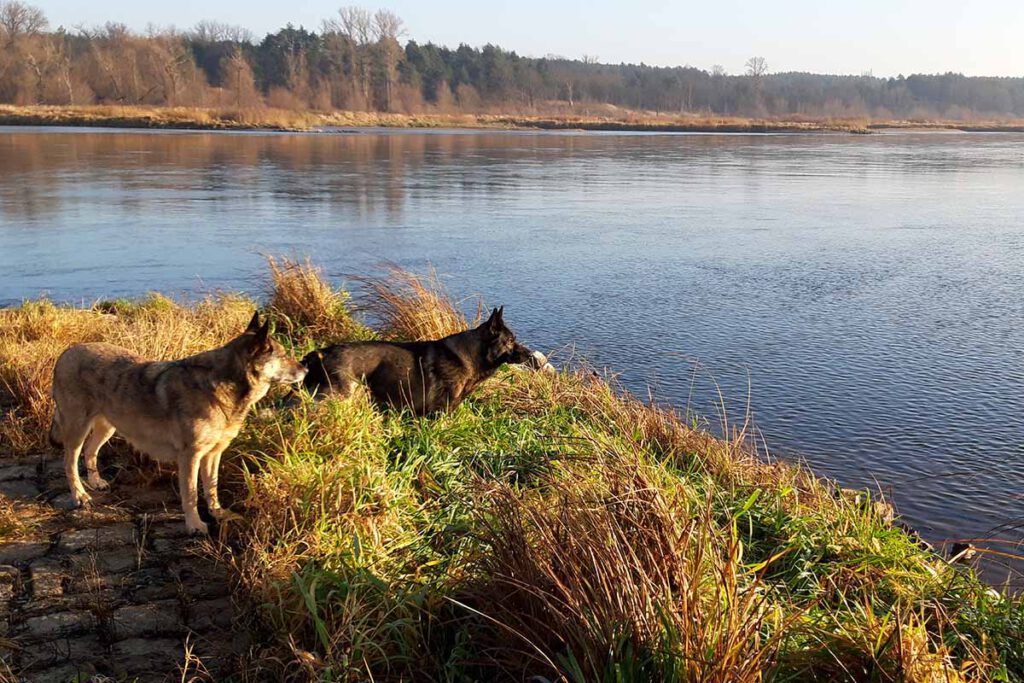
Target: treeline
[[357, 61]]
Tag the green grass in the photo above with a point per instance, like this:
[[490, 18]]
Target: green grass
[[551, 528]]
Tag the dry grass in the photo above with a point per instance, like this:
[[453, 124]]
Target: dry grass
[[117, 116], [24, 520], [269, 118], [410, 306], [306, 307], [622, 570]]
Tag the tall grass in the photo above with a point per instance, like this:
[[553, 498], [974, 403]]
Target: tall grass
[[412, 307], [622, 577], [306, 307], [551, 528]]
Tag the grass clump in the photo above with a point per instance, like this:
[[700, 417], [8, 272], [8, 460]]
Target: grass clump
[[306, 307], [412, 307], [662, 600], [551, 527]]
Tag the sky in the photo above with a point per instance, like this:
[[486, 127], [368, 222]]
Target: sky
[[982, 38]]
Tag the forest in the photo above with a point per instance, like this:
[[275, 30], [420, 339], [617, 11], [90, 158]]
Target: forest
[[361, 61]]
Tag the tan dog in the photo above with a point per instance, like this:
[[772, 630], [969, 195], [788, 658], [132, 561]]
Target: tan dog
[[185, 411]]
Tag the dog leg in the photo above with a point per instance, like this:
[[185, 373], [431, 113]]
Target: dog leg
[[210, 470], [73, 438], [343, 388], [101, 433], [188, 485]]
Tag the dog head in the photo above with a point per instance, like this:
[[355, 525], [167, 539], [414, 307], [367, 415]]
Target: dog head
[[266, 358], [502, 347], [499, 341], [523, 355]]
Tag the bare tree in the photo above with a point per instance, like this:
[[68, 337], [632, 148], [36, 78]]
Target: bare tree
[[355, 23], [114, 61], [296, 70], [757, 67], [387, 28], [18, 19], [209, 31], [239, 79], [169, 70], [718, 71]]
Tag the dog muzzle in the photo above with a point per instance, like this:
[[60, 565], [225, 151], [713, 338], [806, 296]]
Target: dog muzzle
[[540, 362]]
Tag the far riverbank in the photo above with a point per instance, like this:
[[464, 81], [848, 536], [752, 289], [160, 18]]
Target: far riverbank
[[263, 118]]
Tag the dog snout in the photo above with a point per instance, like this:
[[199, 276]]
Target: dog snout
[[298, 372], [540, 362]]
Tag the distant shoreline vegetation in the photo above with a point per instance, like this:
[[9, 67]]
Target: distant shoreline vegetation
[[360, 62], [274, 119]]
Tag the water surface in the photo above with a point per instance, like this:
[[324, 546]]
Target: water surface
[[864, 293]]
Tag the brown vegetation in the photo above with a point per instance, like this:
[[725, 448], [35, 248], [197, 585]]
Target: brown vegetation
[[413, 307], [116, 116], [305, 306], [356, 62], [267, 118]]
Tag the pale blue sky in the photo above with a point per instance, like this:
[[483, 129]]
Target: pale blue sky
[[898, 36]]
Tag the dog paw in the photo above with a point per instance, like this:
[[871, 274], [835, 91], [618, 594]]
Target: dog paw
[[98, 483], [82, 500], [197, 528]]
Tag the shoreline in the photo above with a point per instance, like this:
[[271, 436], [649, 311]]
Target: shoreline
[[277, 120]]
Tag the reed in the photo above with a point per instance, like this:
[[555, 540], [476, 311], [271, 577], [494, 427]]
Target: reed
[[410, 306]]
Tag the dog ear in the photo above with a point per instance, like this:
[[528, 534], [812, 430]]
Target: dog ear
[[495, 322], [262, 334], [254, 323]]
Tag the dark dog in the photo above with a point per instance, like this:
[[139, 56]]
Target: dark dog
[[424, 377]]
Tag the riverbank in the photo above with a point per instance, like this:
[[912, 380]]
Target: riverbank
[[550, 526], [263, 118]]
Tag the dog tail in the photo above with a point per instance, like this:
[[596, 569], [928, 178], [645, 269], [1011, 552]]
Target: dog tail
[[55, 429]]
